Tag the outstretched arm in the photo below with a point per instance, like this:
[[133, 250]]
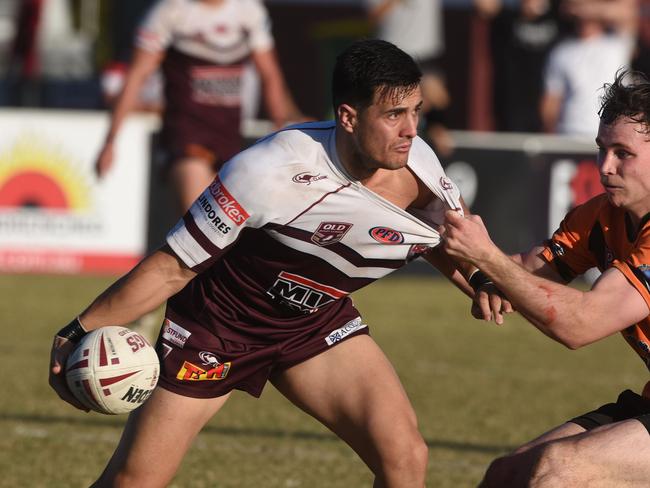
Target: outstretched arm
[[143, 65], [570, 316], [143, 289]]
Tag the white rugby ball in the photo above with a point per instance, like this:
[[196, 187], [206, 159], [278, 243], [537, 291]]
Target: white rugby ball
[[112, 370]]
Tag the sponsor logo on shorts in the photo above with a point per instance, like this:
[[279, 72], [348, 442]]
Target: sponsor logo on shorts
[[175, 334], [386, 235], [340, 334], [300, 293], [307, 178], [330, 233], [231, 207], [192, 372]]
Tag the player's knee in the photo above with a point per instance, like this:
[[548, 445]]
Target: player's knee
[[409, 455], [551, 466]]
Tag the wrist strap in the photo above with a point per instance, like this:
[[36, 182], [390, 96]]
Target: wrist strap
[[73, 332], [478, 279]]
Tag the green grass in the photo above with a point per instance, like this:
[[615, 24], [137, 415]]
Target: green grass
[[478, 390]]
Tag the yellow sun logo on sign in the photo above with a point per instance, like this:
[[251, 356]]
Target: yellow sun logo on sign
[[35, 174]]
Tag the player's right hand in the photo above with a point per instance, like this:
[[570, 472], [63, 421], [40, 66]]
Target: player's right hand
[[61, 349], [490, 304], [104, 160]]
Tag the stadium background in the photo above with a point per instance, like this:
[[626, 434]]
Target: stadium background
[[478, 389]]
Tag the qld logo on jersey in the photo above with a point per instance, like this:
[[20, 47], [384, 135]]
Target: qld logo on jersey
[[299, 293], [386, 235], [330, 233]]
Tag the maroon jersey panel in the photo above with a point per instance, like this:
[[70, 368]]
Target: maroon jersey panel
[[259, 289]]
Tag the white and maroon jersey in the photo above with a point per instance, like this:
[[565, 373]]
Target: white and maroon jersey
[[283, 235], [206, 48], [222, 35]]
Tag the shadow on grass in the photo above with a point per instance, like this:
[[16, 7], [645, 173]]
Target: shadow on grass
[[118, 423]]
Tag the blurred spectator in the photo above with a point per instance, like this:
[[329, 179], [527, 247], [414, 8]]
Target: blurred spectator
[[9, 10], [201, 47], [601, 43], [641, 60], [53, 58], [416, 27], [521, 37]]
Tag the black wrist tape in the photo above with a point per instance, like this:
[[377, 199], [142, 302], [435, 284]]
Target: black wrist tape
[[478, 279], [73, 332]]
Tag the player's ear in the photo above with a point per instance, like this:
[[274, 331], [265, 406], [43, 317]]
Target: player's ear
[[347, 117]]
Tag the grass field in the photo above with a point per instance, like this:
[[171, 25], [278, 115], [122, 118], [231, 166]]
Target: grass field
[[478, 389]]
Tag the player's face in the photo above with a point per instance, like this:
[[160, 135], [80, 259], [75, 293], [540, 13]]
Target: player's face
[[624, 160], [385, 130]]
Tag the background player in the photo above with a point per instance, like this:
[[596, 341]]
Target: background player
[[202, 47], [611, 445], [258, 275]]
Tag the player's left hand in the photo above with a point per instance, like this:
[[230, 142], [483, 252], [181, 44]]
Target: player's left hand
[[61, 349], [466, 238], [490, 304]]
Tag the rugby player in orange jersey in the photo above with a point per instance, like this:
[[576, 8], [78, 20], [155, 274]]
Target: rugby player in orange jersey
[[610, 446], [257, 276]]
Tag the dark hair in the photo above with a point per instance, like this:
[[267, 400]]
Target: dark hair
[[628, 96], [372, 64]]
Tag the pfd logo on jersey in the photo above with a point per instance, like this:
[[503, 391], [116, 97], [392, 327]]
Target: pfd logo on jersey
[[329, 233], [231, 207], [299, 293], [307, 178], [386, 235]]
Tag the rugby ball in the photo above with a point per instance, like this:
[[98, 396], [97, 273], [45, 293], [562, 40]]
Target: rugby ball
[[112, 370]]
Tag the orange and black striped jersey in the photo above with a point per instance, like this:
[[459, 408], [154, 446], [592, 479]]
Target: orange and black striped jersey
[[597, 234]]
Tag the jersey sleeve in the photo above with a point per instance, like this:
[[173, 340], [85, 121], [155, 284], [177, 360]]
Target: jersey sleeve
[[568, 249], [636, 268], [241, 197], [258, 26], [155, 33]]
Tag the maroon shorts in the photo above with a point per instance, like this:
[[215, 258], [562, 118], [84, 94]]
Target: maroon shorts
[[196, 362]]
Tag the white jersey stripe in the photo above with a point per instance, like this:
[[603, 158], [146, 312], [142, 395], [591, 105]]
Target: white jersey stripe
[[331, 257], [185, 246]]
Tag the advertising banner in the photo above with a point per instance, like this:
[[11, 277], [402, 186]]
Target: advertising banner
[[55, 216], [522, 185]]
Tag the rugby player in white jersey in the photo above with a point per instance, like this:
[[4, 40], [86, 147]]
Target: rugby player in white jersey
[[257, 277]]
